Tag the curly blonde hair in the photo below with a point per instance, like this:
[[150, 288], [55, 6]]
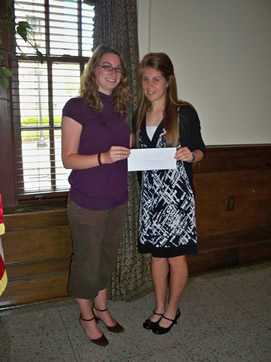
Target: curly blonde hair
[[89, 87]]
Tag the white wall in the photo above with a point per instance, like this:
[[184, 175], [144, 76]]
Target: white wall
[[221, 50]]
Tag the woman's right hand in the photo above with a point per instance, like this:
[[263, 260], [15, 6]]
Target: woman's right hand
[[114, 154]]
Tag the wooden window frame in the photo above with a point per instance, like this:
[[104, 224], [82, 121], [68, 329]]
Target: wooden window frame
[[8, 154]]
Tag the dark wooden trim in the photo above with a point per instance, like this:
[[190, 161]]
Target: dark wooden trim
[[35, 289], [20, 271], [33, 220], [234, 158]]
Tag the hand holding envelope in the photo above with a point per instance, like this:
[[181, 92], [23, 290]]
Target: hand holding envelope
[[141, 159]]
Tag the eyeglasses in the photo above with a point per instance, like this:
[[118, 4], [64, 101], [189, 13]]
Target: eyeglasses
[[109, 68]]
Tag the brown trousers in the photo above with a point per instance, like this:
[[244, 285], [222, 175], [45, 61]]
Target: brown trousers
[[96, 237]]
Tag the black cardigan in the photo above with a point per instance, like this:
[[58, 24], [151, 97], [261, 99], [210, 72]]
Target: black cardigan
[[189, 133]]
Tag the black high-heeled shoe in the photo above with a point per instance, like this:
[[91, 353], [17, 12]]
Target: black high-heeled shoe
[[102, 341], [148, 324], [157, 329], [117, 328]]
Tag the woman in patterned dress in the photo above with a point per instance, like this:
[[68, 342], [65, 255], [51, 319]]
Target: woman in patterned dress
[[167, 225]]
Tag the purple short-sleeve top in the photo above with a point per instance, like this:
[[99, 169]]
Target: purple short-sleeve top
[[106, 186]]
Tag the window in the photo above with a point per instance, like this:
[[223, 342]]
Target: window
[[63, 31]]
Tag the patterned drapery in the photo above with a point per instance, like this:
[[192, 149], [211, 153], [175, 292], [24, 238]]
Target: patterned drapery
[[115, 24]]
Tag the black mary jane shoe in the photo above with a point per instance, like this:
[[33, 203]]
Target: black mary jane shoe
[[157, 329], [117, 328], [148, 324]]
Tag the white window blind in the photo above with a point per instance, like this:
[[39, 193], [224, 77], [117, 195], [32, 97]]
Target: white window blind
[[63, 32]]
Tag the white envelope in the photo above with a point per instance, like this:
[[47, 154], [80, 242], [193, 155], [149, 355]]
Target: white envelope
[[152, 159]]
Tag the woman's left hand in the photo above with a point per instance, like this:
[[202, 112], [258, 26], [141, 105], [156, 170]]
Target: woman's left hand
[[184, 154]]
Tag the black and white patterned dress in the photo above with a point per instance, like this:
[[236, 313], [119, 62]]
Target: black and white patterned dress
[[167, 223]]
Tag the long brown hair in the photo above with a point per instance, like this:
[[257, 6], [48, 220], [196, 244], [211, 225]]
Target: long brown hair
[[89, 86], [162, 63]]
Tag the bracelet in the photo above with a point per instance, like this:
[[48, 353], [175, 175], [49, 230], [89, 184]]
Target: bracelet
[[193, 156], [99, 159]]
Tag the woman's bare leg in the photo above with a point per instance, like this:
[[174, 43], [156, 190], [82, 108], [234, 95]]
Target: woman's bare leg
[[91, 328], [178, 273], [100, 302], [160, 270]]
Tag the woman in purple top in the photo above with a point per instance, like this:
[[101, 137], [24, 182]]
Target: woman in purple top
[[95, 145]]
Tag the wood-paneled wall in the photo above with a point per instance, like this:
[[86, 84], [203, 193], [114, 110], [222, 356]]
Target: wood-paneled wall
[[233, 198], [233, 204], [37, 248]]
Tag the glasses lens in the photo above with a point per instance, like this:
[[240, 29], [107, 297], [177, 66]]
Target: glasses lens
[[108, 68]]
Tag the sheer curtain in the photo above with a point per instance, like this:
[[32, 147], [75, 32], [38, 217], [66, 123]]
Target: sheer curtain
[[115, 24]]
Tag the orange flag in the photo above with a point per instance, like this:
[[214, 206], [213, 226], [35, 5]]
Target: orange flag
[[3, 273]]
